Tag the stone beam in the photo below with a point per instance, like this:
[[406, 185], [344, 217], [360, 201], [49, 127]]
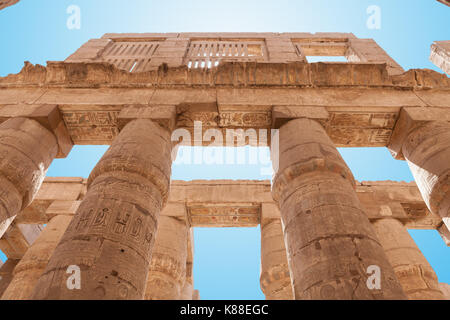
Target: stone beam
[[446, 2], [440, 55], [18, 238], [7, 3], [239, 203], [56, 196], [359, 102]]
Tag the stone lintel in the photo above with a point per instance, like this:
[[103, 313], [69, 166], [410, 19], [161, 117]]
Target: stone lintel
[[18, 238], [238, 203], [48, 115], [56, 193], [409, 119]]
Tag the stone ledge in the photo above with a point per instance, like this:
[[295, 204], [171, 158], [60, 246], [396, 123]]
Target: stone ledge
[[234, 74]]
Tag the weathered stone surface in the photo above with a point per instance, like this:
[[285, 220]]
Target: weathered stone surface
[[440, 54], [275, 278], [427, 150], [26, 151], [445, 288], [7, 3], [208, 198], [417, 277], [18, 238], [34, 262], [167, 274], [329, 239], [447, 2], [130, 90], [112, 235], [6, 274]]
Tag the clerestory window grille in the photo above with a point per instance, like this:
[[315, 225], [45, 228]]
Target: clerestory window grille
[[132, 56], [208, 54]]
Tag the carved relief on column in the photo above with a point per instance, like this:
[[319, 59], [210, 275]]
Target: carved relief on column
[[112, 234], [187, 292], [422, 137], [33, 263], [275, 278], [427, 150], [168, 266], [26, 151], [417, 277], [331, 243]]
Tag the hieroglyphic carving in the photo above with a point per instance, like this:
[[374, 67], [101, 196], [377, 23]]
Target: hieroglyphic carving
[[245, 119], [361, 129], [88, 127], [226, 216]]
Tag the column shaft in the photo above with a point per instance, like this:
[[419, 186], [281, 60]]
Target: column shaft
[[111, 236], [26, 151], [33, 263], [275, 278], [427, 150], [331, 243], [415, 274], [168, 266], [6, 274]]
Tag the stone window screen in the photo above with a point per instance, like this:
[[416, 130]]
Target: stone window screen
[[208, 54]]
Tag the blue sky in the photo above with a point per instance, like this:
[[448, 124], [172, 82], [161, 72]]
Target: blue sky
[[227, 260]]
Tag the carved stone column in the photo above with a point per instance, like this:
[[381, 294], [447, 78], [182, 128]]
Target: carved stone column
[[275, 278], [168, 266], [445, 289], [331, 243], [415, 274], [112, 234], [6, 274], [427, 150], [33, 263], [187, 292], [27, 149]]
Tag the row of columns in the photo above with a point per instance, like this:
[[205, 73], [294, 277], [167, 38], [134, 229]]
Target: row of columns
[[329, 240], [417, 278]]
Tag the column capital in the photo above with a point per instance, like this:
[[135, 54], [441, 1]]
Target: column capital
[[47, 115], [410, 119], [304, 148], [283, 114]]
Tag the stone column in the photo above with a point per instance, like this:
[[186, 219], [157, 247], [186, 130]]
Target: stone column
[[445, 289], [427, 150], [275, 278], [168, 266], [111, 236], [413, 271], [331, 243], [187, 292], [26, 151], [33, 263], [6, 274]]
